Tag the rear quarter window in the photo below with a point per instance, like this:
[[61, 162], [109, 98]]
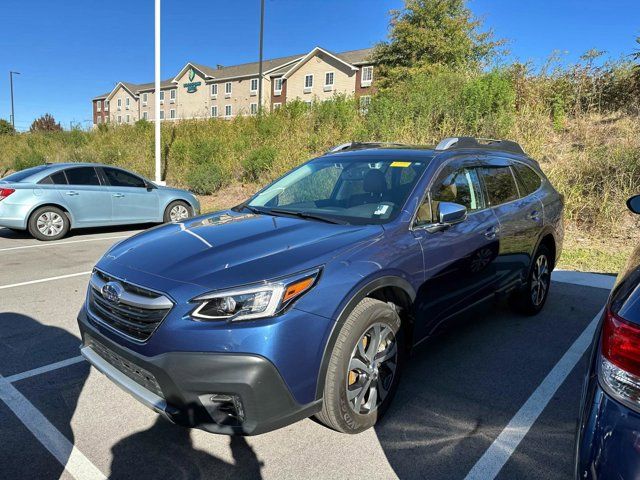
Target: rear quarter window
[[57, 178], [528, 180]]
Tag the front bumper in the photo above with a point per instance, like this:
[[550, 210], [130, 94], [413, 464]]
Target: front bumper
[[181, 385]]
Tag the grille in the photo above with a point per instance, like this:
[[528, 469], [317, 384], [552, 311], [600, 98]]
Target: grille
[[130, 369], [136, 314]]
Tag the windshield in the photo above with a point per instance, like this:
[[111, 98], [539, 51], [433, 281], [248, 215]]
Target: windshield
[[355, 190], [22, 174]]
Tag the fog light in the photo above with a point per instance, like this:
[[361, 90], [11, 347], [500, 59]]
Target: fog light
[[224, 409]]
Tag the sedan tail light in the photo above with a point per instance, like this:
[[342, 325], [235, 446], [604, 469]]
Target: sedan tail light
[[5, 192], [620, 360]]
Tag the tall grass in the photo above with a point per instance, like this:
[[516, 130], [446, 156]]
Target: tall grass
[[582, 128]]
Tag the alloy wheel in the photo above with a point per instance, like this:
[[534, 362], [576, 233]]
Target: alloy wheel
[[540, 279], [372, 368], [50, 224], [178, 212]]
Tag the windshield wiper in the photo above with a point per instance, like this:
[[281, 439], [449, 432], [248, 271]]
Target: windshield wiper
[[312, 216]]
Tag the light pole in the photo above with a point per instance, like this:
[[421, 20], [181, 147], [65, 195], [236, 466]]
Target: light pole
[[13, 116], [260, 67], [158, 173]]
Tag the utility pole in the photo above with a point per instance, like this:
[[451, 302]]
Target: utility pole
[[13, 115], [158, 176], [260, 68]]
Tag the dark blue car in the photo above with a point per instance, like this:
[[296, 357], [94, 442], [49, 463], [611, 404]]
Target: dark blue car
[[305, 299], [608, 441]]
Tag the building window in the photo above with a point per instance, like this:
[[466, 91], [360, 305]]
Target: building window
[[161, 97], [254, 108], [98, 119], [365, 101], [328, 81], [367, 76], [172, 113], [127, 102], [277, 87], [119, 104], [254, 86], [308, 83], [214, 90], [145, 115], [119, 118], [227, 89], [228, 111], [106, 105], [98, 106], [128, 118], [276, 106], [308, 103], [145, 99], [214, 111], [172, 95], [161, 114]]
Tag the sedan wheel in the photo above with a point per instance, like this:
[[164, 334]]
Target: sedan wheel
[[50, 224], [178, 212]]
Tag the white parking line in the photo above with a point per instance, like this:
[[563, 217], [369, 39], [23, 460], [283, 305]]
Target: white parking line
[[497, 455], [41, 280], [49, 436], [68, 242], [44, 369]]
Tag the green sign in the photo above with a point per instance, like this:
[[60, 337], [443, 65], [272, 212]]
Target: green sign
[[191, 86]]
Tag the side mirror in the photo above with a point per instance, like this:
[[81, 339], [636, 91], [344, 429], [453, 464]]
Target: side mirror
[[150, 186], [451, 213], [634, 204]]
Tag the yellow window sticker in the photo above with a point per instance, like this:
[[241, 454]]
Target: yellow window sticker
[[401, 164]]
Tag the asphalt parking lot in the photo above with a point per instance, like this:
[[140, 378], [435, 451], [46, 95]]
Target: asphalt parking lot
[[494, 397]]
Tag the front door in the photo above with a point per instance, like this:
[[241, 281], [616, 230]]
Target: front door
[[459, 260], [132, 201], [86, 198]]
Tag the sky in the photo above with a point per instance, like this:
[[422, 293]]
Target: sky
[[70, 51]]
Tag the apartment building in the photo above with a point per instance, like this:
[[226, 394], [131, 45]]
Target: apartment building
[[199, 91]]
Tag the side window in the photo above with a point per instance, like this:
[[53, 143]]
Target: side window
[[120, 178], [528, 180], [82, 176], [500, 184], [57, 178], [460, 186]]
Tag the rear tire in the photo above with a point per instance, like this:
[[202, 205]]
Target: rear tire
[[367, 356], [177, 211], [531, 299], [48, 223]]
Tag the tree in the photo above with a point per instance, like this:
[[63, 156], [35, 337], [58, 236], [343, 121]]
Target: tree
[[430, 33], [6, 128], [45, 123], [636, 68]]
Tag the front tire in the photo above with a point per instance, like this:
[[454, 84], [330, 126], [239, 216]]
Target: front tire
[[177, 211], [531, 299], [364, 368], [48, 223]]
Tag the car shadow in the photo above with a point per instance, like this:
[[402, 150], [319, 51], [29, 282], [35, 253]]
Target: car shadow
[[166, 451], [79, 232]]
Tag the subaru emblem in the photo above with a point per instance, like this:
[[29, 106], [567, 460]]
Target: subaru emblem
[[112, 292]]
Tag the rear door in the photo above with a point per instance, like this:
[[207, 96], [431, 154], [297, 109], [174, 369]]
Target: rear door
[[132, 201], [519, 215], [86, 197], [459, 261]]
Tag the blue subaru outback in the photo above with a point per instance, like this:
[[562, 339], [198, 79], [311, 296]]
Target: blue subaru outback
[[306, 299]]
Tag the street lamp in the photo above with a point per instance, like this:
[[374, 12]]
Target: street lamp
[[260, 67], [13, 116]]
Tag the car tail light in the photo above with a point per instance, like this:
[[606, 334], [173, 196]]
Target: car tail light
[[5, 192], [620, 359]]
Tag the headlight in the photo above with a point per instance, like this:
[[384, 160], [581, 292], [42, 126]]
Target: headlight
[[255, 301]]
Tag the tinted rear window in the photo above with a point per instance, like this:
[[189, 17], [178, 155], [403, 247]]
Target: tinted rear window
[[501, 187], [529, 180], [22, 174], [57, 178], [82, 176]]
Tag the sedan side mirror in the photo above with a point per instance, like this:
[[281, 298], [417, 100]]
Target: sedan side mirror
[[634, 204], [150, 186], [449, 213]]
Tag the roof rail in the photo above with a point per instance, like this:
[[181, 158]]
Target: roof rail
[[451, 143], [356, 145]]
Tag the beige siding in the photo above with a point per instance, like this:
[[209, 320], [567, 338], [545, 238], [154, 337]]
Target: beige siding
[[150, 106], [191, 105], [241, 96], [344, 79], [133, 112]]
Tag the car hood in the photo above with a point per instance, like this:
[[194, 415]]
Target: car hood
[[228, 249]]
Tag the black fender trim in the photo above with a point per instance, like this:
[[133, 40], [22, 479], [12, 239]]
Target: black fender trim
[[386, 281]]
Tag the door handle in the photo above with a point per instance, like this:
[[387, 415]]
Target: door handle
[[71, 193], [535, 215], [118, 195], [491, 232]]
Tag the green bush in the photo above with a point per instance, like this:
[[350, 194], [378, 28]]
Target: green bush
[[206, 178], [258, 162]]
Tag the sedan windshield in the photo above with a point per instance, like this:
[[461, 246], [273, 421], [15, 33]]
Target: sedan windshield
[[356, 190], [22, 174]]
